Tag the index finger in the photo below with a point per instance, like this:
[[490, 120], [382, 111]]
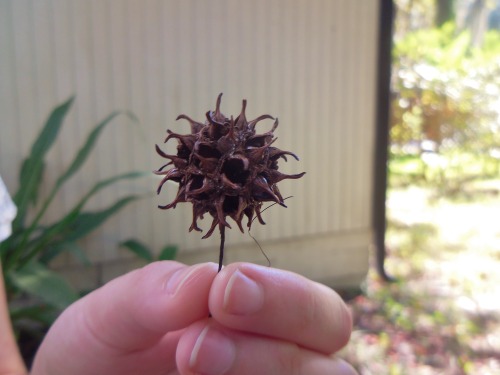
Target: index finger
[[282, 305], [130, 325], [142, 306]]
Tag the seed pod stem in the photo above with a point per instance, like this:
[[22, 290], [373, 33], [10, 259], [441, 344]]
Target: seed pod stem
[[222, 230]]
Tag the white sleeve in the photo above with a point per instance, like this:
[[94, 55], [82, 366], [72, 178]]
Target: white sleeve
[[8, 212]]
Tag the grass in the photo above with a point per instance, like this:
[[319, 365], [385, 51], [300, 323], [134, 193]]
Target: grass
[[442, 316], [446, 172]]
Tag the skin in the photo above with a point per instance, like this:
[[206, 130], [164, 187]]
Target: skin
[[10, 359], [155, 321]]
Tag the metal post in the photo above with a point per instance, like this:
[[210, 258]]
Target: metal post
[[386, 21]]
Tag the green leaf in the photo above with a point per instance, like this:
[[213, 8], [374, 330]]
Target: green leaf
[[78, 161], [169, 252], [102, 184], [51, 129], [88, 146], [78, 253], [64, 229], [89, 221], [32, 167], [66, 246], [65, 223], [49, 237], [37, 280], [72, 216], [31, 175], [138, 249], [40, 313]]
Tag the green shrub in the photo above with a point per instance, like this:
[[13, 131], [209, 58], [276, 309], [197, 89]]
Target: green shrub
[[446, 90], [27, 253], [168, 252]]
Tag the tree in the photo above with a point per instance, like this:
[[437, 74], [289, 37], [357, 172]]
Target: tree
[[445, 11]]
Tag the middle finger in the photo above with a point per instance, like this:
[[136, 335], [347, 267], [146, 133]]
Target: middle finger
[[280, 304]]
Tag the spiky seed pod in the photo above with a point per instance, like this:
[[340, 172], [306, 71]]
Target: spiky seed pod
[[224, 168]]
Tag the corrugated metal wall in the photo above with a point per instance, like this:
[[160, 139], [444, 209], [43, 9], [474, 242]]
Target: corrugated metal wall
[[310, 63]]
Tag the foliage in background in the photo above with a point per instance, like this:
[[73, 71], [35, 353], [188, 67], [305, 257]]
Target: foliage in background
[[445, 90], [27, 253], [442, 315], [168, 252], [446, 102]]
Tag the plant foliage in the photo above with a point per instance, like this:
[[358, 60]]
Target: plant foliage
[[27, 253], [444, 88], [168, 252], [446, 91]]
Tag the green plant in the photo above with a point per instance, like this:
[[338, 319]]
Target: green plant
[[27, 253], [168, 252], [445, 90]]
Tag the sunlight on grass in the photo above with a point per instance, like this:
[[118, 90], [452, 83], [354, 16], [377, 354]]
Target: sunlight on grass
[[443, 313]]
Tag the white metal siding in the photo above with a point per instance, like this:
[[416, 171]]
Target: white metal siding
[[310, 63]]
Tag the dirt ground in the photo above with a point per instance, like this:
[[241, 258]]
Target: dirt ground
[[442, 315]]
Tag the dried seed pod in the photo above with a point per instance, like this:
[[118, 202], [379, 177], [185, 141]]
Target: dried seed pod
[[224, 168]]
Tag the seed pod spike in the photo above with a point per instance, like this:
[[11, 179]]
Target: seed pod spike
[[275, 125], [195, 125], [221, 215], [241, 121], [261, 187], [172, 174], [212, 120], [206, 186], [252, 123], [230, 134], [277, 153], [160, 152], [226, 143], [259, 216], [194, 224], [176, 160], [238, 215], [240, 226], [187, 140], [276, 176], [278, 194], [179, 198], [159, 171], [249, 212], [212, 228], [217, 113]]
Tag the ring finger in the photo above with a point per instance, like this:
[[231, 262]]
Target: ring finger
[[209, 349]]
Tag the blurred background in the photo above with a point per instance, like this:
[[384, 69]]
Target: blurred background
[[441, 313], [392, 107], [312, 65]]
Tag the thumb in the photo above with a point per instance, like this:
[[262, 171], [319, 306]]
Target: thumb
[[130, 313]]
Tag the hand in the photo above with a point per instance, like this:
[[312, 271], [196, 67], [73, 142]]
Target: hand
[[155, 321], [11, 362]]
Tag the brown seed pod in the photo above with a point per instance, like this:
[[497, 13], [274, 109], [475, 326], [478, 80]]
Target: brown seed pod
[[224, 168]]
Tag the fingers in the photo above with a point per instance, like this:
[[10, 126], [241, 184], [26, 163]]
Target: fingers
[[130, 315], [207, 348], [281, 305], [143, 305], [10, 358]]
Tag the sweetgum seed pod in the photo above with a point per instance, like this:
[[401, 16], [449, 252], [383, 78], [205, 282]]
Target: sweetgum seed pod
[[224, 168]]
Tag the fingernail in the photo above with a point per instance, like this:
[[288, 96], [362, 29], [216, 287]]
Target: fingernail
[[243, 296], [182, 275], [213, 353], [344, 368]]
